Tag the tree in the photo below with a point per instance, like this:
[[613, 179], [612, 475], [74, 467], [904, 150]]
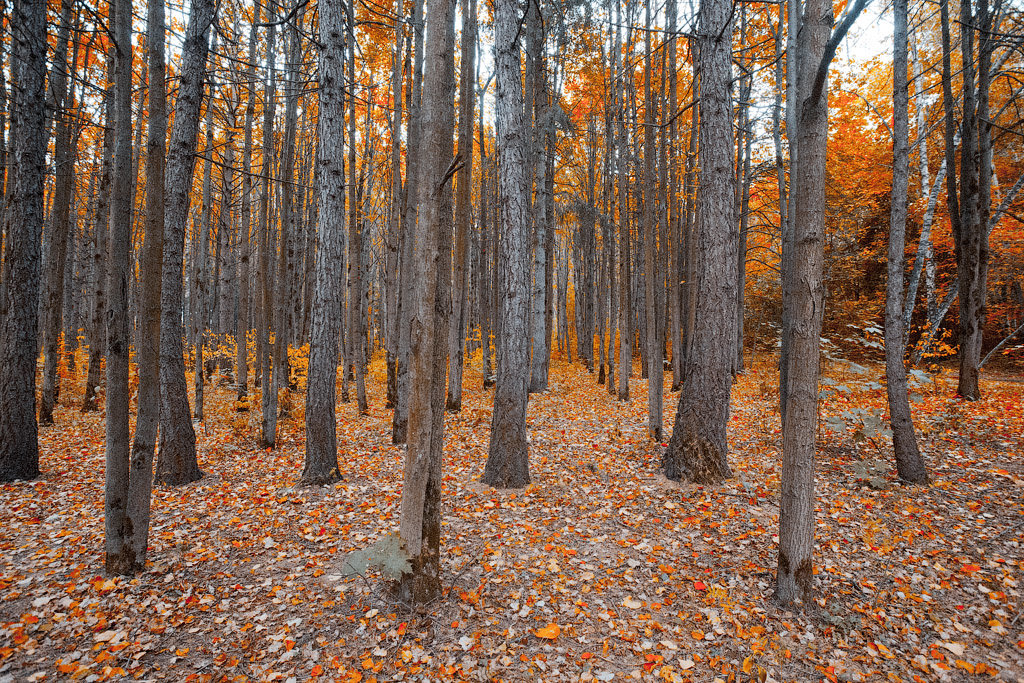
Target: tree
[[804, 293], [655, 367], [321, 430], [697, 449], [508, 453], [19, 287], [430, 299], [120, 555], [463, 207], [909, 464], [177, 462]]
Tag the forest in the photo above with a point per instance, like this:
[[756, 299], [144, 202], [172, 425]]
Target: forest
[[517, 340]]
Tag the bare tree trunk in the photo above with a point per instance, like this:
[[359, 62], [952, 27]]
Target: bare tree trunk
[[698, 448], [268, 397], [98, 325], [463, 207], [177, 462], [64, 160], [140, 469], [357, 314], [508, 457], [200, 269], [655, 367], [245, 231], [909, 464], [420, 524], [805, 293], [394, 218], [120, 556], [19, 286], [321, 430]]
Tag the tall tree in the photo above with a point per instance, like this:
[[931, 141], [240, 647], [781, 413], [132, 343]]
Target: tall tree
[[19, 286], [804, 295], [430, 299], [698, 448], [321, 429], [909, 463], [463, 207], [655, 368], [120, 558], [508, 454], [177, 462]]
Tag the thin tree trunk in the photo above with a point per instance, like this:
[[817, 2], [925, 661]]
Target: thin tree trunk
[[909, 464], [357, 313], [200, 270], [268, 396], [655, 368], [391, 283], [463, 207], [245, 231]]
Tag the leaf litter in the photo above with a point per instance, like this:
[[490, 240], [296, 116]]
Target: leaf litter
[[601, 569]]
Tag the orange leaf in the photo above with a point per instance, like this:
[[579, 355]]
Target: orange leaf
[[549, 632]]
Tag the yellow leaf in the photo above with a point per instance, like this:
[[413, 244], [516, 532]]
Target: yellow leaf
[[550, 632], [748, 665]]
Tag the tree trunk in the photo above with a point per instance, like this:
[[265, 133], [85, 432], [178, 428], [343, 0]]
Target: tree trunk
[[698, 448], [120, 555], [321, 430], [655, 367], [463, 207], [19, 287], [200, 299], [357, 313], [177, 463], [508, 456], [268, 398], [391, 281], [909, 464], [245, 231], [430, 299], [64, 160], [805, 293]]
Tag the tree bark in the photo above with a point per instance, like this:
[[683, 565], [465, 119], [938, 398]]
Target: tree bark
[[508, 455], [698, 448], [463, 208], [430, 299], [176, 463], [19, 287], [245, 230], [909, 464], [321, 430], [655, 367]]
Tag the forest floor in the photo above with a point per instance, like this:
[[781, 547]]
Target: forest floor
[[601, 569]]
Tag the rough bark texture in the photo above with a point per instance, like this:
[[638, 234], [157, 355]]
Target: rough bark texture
[[805, 293], [177, 462], [321, 429], [268, 399], [655, 367], [463, 208], [119, 556], [508, 455], [909, 464], [420, 524], [19, 287], [64, 155], [697, 450]]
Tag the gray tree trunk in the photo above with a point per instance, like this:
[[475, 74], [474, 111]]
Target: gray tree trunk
[[805, 293], [64, 160], [463, 207], [698, 448], [655, 367], [508, 454], [19, 286], [321, 430], [909, 463], [176, 463], [120, 556], [430, 299], [268, 399], [245, 230]]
